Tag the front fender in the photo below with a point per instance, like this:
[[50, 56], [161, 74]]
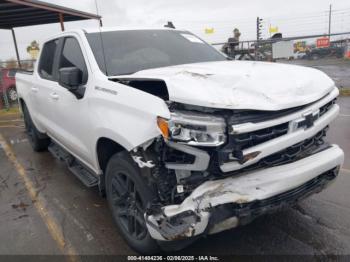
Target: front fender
[[125, 115]]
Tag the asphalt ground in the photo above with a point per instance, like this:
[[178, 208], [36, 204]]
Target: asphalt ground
[[337, 68], [45, 210]]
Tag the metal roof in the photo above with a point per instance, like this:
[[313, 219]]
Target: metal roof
[[18, 13]]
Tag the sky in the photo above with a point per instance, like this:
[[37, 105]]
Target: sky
[[293, 18]]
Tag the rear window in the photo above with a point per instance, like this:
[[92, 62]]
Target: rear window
[[47, 59]]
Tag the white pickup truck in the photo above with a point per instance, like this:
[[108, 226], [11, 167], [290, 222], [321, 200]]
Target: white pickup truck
[[182, 141]]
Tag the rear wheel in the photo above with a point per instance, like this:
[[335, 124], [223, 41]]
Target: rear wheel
[[39, 142], [128, 195]]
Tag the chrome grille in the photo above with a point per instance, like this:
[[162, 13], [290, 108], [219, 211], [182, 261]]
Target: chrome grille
[[247, 140], [324, 109], [290, 154], [294, 152]]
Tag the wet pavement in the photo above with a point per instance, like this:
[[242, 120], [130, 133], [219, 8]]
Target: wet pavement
[[44, 209], [337, 69]]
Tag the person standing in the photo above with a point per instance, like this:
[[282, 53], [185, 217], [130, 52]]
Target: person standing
[[232, 43]]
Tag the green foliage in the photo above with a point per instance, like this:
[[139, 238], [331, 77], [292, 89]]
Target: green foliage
[[34, 45]]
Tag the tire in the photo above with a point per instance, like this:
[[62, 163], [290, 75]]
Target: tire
[[39, 141], [12, 94], [128, 195]]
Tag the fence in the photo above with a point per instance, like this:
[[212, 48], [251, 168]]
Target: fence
[[333, 57], [302, 47]]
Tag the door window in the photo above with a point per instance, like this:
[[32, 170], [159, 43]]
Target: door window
[[72, 56], [47, 60], [12, 73]]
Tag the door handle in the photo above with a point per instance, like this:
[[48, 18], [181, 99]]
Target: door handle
[[54, 96], [35, 89]]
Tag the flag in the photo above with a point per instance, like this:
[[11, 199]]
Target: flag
[[209, 31], [273, 29]]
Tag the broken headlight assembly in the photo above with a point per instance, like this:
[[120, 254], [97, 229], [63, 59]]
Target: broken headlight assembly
[[193, 129]]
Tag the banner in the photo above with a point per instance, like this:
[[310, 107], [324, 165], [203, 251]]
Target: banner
[[273, 30]]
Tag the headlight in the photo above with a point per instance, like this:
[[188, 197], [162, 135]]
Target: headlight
[[193, 129]]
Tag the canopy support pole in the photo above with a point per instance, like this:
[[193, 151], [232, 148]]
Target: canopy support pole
[[16, 47], [61, 21]]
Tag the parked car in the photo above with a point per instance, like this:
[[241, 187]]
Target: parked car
[[8, 83], [317, 53], [183, 142], [298, 55]]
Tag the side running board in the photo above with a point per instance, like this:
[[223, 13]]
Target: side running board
[[78, 169]]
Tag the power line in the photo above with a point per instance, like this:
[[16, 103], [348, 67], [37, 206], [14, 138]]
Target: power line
[[306, 15], [306, 24], [341, 10], [248, 20], [304, 20]]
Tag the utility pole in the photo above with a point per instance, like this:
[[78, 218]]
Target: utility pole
[[258, 36], [330, 22]]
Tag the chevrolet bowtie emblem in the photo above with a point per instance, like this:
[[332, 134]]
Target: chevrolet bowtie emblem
[[309, 120], [306, 121]]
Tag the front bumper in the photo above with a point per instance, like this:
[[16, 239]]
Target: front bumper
[[222, 204]]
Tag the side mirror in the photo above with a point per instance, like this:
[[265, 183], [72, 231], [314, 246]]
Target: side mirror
[[70, 78]]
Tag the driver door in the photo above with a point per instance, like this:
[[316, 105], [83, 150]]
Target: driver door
[[71, 114]]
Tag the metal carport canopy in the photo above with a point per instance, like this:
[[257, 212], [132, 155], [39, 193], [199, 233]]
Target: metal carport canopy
[[19, 13]]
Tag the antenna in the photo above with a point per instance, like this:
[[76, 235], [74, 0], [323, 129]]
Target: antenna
[[101, 39], [170, 25]]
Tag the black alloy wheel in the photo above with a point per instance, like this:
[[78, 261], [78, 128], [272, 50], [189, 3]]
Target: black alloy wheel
[[128, 206], [128, 194]]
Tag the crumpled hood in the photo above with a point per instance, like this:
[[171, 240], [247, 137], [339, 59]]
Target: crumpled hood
[[242, 84]]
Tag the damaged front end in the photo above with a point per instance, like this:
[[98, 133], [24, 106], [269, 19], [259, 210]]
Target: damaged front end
[[221, 204], [217, 210], [216, 172]]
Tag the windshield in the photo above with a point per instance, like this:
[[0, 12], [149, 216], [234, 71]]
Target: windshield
[[127, 52]]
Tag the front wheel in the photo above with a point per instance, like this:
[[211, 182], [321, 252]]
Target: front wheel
[[128, 195]]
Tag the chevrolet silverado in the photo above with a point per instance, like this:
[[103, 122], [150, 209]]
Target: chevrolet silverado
[[182, 141]]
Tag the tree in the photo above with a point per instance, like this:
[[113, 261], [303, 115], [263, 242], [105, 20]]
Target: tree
[[33, 49]]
